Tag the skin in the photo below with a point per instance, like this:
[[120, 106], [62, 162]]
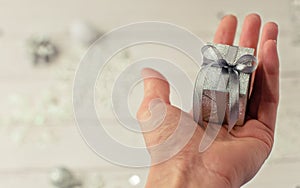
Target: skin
[[234, 158]]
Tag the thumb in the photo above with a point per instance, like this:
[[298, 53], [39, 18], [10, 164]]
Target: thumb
[[155, 87]]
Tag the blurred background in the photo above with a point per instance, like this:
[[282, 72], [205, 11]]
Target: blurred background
[[41, 44]]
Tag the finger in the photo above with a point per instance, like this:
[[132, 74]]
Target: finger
[[270, 32], [155, 87], [250, 31], [270, 83], [250, 34], [226, 30]]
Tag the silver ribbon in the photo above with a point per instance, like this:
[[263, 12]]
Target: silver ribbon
[[245, 64]]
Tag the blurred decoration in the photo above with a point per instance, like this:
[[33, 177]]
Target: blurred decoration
[[295, 19], [28, 116], [94, 180], [62, 177], [134, 180], [41, 49], [84, 33]]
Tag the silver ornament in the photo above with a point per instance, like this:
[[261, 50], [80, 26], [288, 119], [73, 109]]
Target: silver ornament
[[61, 177], [41, 49]]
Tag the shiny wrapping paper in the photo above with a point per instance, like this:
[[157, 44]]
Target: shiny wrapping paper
[[209, 105]]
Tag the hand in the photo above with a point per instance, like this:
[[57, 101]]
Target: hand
[[233, 158]]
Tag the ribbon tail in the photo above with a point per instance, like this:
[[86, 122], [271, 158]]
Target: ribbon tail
[[233, 98], [197, 97], [213, 128], [210, 134]]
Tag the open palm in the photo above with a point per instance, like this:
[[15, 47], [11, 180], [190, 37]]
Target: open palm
[[234, 157]]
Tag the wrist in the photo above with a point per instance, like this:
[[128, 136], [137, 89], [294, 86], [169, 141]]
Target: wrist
[[175, 175]]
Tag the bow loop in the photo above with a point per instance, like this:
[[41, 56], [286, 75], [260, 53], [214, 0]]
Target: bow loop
[[211, 53], [246, 64], [223, 63]]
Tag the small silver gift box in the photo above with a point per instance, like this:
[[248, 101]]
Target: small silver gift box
[[210, 92]]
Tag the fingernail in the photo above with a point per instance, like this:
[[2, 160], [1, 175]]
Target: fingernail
[[275, 24], [146, 73], [228, 15], [255, 16], [151, 73]]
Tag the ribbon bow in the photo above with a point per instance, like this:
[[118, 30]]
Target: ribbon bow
[[245, 64]]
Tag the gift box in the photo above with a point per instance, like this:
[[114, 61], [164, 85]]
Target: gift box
[[222, 85]]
